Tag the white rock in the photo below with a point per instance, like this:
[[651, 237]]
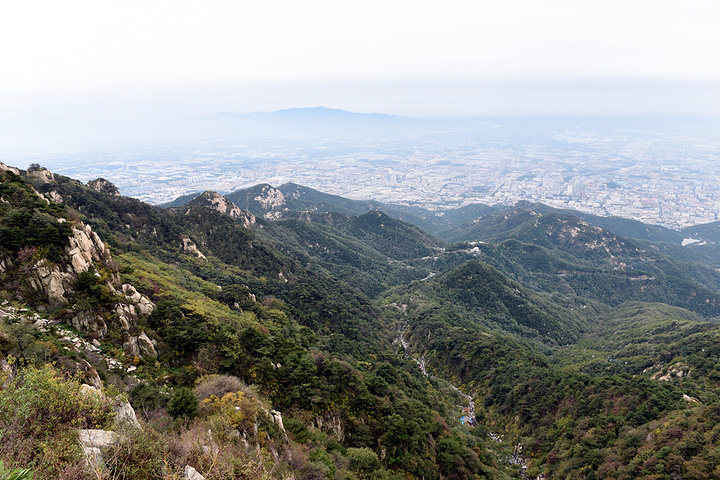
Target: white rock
[[192, 474]]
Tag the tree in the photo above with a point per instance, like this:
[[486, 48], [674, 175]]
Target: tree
[[183, 404]]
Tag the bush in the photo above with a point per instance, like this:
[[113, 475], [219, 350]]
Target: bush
[[39, 415], [183, 403], [140, 455], [148, 398], [218, 385]]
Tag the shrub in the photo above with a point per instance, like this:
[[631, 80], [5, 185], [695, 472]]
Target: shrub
[[148, 398], [140, 455], [39, 414], [218, 385], [183, 403]]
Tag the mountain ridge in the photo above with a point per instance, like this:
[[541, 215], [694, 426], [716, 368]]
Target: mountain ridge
[[352, 326]]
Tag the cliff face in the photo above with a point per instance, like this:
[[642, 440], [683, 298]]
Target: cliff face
[[53, 262], [57, 282]]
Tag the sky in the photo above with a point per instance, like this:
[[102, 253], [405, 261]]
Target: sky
[[422, 58]]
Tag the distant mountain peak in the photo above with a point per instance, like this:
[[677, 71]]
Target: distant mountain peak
[[215, 201], [314, 118], [103, 186]]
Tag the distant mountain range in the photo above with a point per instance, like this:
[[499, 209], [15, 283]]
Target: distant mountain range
[[456, 224], [595, 351], [310, 119]]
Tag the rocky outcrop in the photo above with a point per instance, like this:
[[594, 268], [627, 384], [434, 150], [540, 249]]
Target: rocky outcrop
[[9, 169], [270, 198], [54, 196], [48, 279], [141, 346], [130, 345], [41, 174], [189, 247], [92, 443], [85, 248], [125, 417], [217, 202], [86, 252], [89, 322], [141, 303], [331, 423], [6, 372], [103, 186]]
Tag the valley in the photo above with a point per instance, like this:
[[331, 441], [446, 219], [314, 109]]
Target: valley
[[290, 333]]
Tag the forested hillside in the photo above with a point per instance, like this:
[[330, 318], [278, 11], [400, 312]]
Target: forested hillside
[[333, 343]]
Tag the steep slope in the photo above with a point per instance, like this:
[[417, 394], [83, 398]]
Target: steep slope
[[226, 302], [330, 249], [394, 238], [290, 199], [53, 261], [217, 202], [557, 252], [481, 295], [709, 232], [565, 386], [476, 221]]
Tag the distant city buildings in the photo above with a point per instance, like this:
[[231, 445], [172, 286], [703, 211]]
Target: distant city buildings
[[672, 182]]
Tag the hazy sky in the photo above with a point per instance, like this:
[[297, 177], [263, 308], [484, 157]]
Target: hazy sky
[[417, 57]]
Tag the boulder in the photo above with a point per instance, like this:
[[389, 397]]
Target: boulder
[[50, 280], [92, 443], [125, 417], [90, 322], [6, 372], [147, 348], [126, 315], [85, 247], [142, 304], [191, 474]]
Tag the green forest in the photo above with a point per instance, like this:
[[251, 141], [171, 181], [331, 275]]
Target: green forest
[[339, 341]]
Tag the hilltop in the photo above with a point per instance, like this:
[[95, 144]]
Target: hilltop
[[301, 335]]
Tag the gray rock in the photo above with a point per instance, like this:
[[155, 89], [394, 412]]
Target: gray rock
[[189, 247], [89, 322], [92, 443], [147, 349], [103, 186], [126, 315], [42, 174], [125, 417], [6, 372], [131, 346], [140, 302]]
